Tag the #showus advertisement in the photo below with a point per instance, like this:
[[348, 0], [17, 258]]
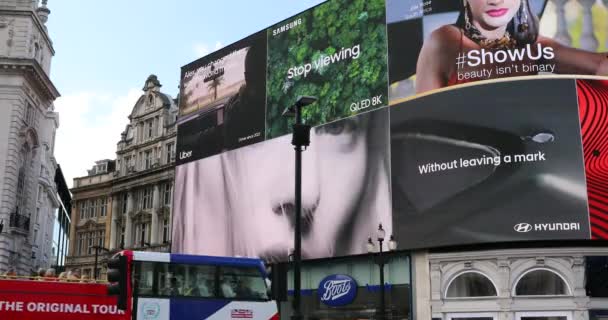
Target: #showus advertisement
[[457, 42], [336, 52], [241, 202], [222, 101], [495, 162]]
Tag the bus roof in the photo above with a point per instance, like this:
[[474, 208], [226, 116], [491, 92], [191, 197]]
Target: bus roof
[[198, 259]]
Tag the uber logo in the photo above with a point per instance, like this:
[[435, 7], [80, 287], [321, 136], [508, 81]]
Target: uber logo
[[523, 227]]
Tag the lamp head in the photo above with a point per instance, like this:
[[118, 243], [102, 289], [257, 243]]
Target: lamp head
[[303, 101], [381, 233], [392, 243], [370, 245]]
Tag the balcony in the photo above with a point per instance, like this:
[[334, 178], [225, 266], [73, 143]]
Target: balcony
[[19, 222]]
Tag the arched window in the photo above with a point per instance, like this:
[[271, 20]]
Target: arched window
[[471, 284], [541, 282], [21, 175]]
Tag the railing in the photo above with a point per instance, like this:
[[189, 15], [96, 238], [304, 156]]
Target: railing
[[19, 221]]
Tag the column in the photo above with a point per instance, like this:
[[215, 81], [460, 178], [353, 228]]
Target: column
[[562, 35], [129, 221], [155, 212], [114, 223], [588, 40]]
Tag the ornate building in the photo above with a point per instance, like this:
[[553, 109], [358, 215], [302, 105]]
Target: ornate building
[[126, 203], [91, 203], [28, 196]]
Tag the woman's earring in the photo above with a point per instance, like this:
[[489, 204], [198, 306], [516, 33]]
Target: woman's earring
[[523, 26], [467, 22]]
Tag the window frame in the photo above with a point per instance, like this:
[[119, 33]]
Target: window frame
[[458, 315], [567, 314], [447, 287], [516, 283], [156, 285]]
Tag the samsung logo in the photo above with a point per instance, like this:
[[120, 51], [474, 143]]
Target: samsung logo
[[287, 26], [556, 226]]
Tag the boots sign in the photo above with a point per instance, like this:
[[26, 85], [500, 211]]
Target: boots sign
[[337, 290]]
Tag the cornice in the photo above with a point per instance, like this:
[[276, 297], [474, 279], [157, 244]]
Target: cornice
[[32, 69]]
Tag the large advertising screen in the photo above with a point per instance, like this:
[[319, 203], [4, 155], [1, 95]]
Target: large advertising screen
[[506, 145], [435, 44]]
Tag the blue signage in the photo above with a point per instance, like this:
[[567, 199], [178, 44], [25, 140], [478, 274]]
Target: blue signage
[[337, 290]]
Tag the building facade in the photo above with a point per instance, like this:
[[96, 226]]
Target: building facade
[[91, 217], [61, 227], [126, 203], [28, 196]]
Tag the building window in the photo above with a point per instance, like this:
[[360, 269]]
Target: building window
[[122, 238], [20, 186], [166, 227], [90, 243], [142, 232], [38, 215], [82, 209], [93, 208], [170, 153], [471, 284], [149, 128], [541, 282], [125, 200], [81, 243], [147, 198], [147, 159], [167, 193], [103, 206], [101, 238], [29, 115]]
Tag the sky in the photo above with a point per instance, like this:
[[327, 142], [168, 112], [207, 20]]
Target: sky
[[105, 50]]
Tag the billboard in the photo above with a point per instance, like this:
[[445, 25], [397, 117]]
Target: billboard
[[241, 202], [457, 42], [440, 151]]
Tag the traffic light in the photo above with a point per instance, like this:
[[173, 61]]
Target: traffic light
[[118, 277], [278, 284]]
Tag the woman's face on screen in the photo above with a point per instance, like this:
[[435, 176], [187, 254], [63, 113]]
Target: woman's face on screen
[[492, 14], [333, 179]]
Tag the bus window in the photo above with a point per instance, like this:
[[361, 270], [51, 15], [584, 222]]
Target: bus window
[[242, 283], [171, 279], [200, 281], [144, 278]]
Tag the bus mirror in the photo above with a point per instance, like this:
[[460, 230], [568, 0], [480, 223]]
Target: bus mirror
[[118, 278]]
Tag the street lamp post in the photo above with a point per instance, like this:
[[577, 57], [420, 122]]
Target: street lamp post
[[300, 140], [381, 261], [97, 248]]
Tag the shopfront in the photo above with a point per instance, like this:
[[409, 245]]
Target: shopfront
[[360, 299]]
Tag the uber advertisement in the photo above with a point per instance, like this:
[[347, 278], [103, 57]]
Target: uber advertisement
[[435, 44], [336, 52], [222, 100], [488, 164]]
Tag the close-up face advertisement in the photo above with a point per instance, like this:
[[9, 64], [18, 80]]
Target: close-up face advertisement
[[451, 122]]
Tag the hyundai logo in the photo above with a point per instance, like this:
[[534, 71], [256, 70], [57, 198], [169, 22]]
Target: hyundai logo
[[523, 227]]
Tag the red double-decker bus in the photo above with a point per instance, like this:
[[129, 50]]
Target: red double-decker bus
[[53, 300]]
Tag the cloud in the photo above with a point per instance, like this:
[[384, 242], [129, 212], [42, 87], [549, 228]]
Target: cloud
[[202, 49], [90, 124]]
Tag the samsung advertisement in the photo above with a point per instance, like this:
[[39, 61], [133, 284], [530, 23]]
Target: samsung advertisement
[[449, 122]]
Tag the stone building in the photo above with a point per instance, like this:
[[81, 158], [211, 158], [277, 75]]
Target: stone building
[[28, 196], [126, 203]]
